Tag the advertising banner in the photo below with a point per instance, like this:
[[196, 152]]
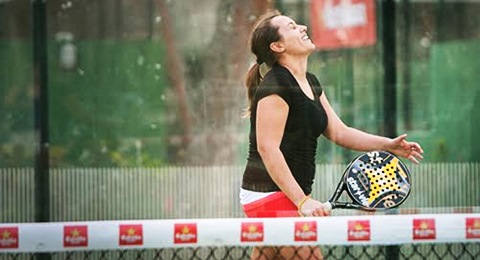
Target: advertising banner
[[339, 24]]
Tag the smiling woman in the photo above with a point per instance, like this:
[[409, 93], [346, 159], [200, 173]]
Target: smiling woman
[[288, 112]]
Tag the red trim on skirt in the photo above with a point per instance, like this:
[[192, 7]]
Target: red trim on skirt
[[277, 205]]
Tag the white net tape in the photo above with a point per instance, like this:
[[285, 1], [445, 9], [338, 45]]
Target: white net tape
[[174, 233]]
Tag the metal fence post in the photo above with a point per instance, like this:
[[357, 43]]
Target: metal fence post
[[390, 92], [42, 194]]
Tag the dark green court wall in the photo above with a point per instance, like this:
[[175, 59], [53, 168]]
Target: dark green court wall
[[455, 97], [110, 109], [116, 99], [16, 103]]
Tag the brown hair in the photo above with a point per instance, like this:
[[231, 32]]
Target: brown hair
[[262, 35]]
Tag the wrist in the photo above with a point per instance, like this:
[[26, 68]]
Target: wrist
[[302, 201], [386, 144]]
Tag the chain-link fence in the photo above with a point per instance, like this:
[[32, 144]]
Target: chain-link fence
[[409, 251]]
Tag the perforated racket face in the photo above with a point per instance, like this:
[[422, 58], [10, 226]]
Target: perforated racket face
[[378, 180]]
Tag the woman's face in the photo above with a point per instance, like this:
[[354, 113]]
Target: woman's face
[[294, 37]]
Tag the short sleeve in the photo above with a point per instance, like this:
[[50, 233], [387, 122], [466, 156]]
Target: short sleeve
[[317, 87], [276, 84]]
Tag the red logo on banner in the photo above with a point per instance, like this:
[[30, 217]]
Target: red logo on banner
[[306, 231], [358, 230], [343, 23], [75, 236], [424, 229], [185, 233], [252, 232], [473, 228], [8, 237], [131, 235]]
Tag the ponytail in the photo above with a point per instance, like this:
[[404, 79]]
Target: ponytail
[[253, 79], [262, 35]]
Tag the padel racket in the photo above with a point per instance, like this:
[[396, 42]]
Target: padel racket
[[376, 180]]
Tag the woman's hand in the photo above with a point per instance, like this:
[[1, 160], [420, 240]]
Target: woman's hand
[[401, 147], [313, 208]]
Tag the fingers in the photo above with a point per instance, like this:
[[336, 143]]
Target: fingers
[[416, 147], [314, 208], [306, 213], [321, 212], [415, 153], [415, 156], [413, 159], [408, 145], [410, 150]]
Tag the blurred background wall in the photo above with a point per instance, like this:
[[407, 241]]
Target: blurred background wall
[[160, 83], [154, 82]]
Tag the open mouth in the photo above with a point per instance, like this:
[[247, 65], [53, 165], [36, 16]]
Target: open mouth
[[305, 38]]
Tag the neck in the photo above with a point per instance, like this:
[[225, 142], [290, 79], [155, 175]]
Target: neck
[[296, 66]]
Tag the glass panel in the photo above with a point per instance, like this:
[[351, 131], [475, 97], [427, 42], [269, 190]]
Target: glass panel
[[109, 85], [17, 142], [438, 43]]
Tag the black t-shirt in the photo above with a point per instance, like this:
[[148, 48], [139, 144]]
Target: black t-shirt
[[306, 121]]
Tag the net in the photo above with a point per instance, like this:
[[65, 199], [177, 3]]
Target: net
[[422, 236]]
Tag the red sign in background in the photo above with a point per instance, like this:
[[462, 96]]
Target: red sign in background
[[343, 23]]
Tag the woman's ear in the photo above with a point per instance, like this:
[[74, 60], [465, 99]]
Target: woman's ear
[[277, 47]]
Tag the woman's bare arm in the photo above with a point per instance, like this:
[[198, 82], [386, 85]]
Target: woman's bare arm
[[355, 139], [272, 112]]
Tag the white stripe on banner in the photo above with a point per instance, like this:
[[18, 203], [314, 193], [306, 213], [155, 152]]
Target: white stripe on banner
[[141, 234]]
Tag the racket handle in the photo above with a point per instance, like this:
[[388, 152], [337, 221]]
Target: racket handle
[[328, 205]]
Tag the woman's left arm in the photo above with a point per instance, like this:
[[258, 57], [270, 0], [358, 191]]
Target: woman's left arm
[[355, 139]]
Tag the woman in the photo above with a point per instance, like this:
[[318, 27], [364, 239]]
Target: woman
[[288, 111]]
